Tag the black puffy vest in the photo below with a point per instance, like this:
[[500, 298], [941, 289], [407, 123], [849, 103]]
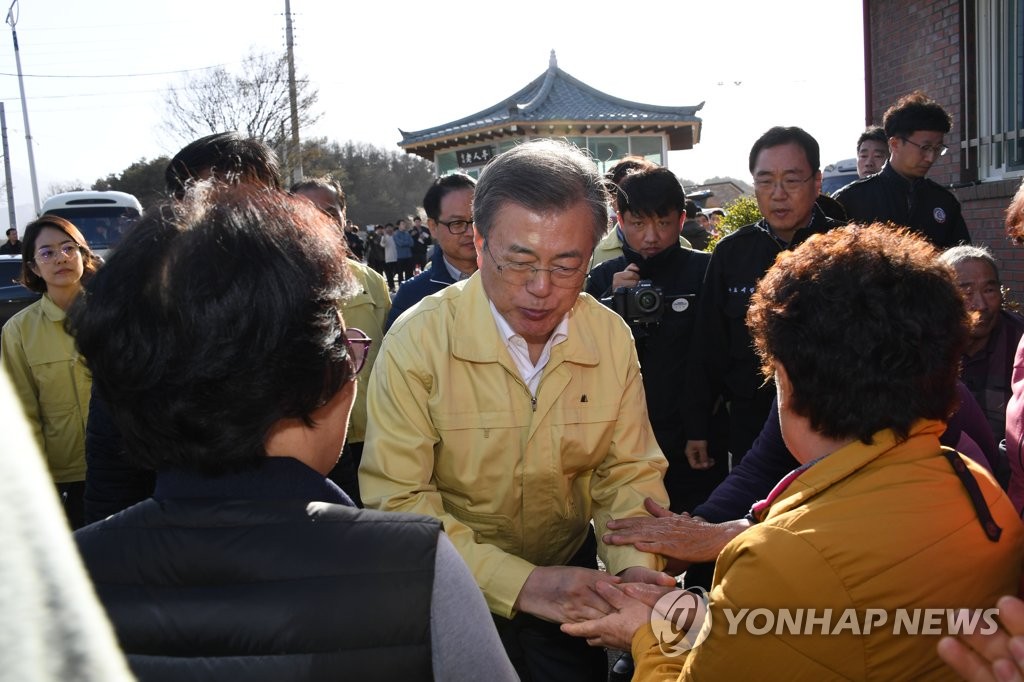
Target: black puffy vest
[[266, 590]]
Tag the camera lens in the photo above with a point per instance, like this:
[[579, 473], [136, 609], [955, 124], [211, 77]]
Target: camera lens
[[648, 301]]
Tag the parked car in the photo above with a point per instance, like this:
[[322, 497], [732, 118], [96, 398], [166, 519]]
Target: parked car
[[837, 175], [13, 296], [102, 217]]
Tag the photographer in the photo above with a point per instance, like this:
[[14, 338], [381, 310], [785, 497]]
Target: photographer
[[654, 287]]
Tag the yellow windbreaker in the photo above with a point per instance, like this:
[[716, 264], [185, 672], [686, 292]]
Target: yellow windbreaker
[[454, 433], [52, 383]]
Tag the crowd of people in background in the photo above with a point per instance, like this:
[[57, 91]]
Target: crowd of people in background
[[548, 416]]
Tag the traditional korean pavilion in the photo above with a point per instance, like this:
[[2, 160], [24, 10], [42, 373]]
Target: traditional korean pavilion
[[557, 105]]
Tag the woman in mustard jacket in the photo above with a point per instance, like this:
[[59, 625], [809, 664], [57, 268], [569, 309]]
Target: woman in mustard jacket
[[881, 536], [40, 357]]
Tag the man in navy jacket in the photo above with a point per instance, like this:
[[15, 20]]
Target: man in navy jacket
[[449, 207]]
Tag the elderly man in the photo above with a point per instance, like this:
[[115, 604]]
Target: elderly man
[[784, 163], [512, 408], [994, 334]]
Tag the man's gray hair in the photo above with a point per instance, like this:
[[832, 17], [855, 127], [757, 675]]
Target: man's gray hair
[[540, 175], [958, 254]]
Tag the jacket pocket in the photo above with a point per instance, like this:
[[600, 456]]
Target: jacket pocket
[[480, 454], [584, 434], [488, 529]]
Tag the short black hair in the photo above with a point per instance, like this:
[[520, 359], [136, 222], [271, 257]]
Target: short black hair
[[627, 164], [12, 229], [226, 156], [876, 133], [440, 188], [914, 112], [778, 136], [215, 318], [650, 192], [869, 325]]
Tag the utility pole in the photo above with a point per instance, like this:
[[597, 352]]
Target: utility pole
[[292, 94], [9, 184], [12, 20]]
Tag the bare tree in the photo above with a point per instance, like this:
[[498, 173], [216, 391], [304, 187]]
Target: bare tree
[[253, 102], [65, 186]]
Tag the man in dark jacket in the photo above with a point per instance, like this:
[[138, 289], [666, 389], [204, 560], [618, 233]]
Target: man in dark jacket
[[650, 207], [900, 193], [695, 227], [785, 164], [449, 207], [11, 247]]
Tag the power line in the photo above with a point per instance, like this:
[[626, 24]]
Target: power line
[[114, 75]]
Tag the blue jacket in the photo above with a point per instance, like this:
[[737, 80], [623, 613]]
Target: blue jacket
[[430, 281], [403, 244]]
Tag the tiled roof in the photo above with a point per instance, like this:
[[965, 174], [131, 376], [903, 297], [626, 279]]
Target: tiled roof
[[557, 96]]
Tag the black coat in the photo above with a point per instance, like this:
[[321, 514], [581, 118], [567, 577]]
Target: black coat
[[722, 359], [922, 205], [662, 348]]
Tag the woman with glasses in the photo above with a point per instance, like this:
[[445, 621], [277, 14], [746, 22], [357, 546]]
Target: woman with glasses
[[39, 355], [214, 336]]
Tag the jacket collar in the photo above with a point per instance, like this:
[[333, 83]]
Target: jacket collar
[[438, 269], [649, 266], [272, 478], [890, 174], [819, 223], [51, 310], [922, 442], [477, 338]]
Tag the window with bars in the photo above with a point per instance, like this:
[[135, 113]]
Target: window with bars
[[998, 142]]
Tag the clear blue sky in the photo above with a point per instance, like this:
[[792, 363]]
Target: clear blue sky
[[98, 69]]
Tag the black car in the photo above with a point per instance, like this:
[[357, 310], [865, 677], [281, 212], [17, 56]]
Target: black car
[[13, 296]]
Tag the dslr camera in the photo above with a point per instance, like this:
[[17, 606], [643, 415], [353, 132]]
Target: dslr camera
[[639, 305]]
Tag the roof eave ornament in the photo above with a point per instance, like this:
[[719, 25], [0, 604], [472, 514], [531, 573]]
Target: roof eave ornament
[[545, 88]]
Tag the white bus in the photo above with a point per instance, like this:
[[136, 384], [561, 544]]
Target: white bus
[[102, 217]]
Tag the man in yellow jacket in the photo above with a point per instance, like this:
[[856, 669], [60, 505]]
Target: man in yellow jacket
[[366, 310], [511, 407]]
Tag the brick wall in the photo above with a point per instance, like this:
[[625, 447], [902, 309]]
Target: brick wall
[[916, 44]]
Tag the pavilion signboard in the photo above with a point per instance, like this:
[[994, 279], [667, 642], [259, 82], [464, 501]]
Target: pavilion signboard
[[475, 156]]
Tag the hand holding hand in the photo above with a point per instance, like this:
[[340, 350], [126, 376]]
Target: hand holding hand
[[563, 594], [677, 536], [616, 629]]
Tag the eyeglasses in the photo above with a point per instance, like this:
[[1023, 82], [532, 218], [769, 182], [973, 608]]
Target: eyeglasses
[[519, 274], [47, 253], [457, 226], [357, 345], [790, 183], [936, 149]]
